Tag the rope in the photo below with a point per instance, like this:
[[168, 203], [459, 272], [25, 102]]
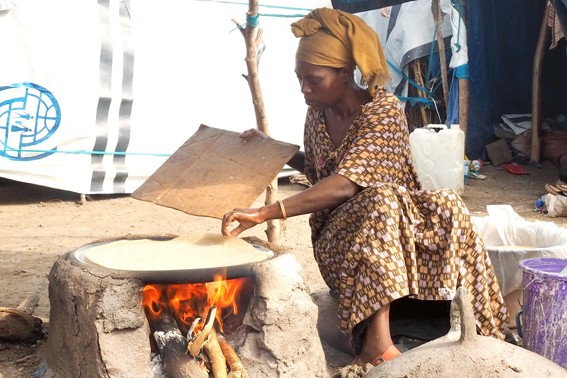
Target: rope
[[260, 5], [252, 20], [298, 15], [406, 77], [458, 5], [85, 152], [426, 101], [431, 53], [416, 100]]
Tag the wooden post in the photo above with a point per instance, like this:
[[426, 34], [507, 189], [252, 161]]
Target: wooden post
[[535, 153], [438, 17], [416, 66], [464, 105], [464, 94], [252, 37]]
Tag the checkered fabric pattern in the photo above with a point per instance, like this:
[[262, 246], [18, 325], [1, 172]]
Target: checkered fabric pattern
[[393, 239]]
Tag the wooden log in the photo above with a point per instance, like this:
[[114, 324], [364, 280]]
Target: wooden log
[[172, 347], [417, 72], [18, 326], [195, 345], [216, 356], [236, 369], [29, 304], [464, 106]]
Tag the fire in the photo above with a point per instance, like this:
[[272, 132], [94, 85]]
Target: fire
[[151, 299], [190, 301]]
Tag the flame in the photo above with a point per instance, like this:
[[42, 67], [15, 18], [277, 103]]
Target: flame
[[190, 301], [151, 295]]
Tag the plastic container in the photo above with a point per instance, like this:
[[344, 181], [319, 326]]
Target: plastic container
[[509, 238], [544, 312], [438, 155]]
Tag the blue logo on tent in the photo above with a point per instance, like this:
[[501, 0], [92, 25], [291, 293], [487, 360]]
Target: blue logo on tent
[[29, 116]]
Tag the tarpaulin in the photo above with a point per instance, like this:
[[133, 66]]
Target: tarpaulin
[[408, 32], [502, 37], [356, 6]]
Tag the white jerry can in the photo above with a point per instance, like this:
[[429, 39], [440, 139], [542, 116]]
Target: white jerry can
[[438, 155]]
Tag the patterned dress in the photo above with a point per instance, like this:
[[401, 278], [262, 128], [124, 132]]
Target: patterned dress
[[393, 239]]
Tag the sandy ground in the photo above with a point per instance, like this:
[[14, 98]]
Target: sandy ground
[[39, 224]]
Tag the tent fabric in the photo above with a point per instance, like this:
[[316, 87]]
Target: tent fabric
[[356, 6], [501, 40], [561, 10], [502, 37], [403, 42], [99, 109], [102, 116], [409, 32], [453, 106]]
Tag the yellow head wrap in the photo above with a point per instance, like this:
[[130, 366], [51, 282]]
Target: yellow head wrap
[[333, 38]]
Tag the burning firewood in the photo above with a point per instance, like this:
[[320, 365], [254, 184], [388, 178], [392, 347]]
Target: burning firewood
[[214, 351], [172, 347], [220, 353], [206, 340], [233, 361], [196, 343], [18, 324]]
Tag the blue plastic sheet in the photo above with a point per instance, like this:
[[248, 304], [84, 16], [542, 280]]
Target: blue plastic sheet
[[502, 37]]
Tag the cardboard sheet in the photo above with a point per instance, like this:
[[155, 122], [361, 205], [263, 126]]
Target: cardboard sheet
[[215, 171]]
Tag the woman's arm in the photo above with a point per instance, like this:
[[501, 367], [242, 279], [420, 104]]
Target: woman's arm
[[326, 194]]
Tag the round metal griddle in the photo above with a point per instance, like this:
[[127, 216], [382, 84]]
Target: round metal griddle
[[191, 275]]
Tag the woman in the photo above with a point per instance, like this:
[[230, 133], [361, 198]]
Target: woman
[[376, 235]]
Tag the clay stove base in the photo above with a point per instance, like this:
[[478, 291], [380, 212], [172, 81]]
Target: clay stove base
[[97, 325], [98, 328]]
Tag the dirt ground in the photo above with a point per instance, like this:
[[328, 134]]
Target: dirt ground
[[40, 224]]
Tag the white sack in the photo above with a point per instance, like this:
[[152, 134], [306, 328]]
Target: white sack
[[509, 239]]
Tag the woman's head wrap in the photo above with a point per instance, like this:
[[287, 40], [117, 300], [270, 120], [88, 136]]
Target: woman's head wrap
[[333, 38]]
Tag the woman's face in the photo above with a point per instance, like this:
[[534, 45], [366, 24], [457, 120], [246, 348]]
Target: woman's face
[[322, 87]]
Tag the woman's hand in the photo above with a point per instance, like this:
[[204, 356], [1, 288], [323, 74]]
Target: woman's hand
[[252, 133], [247, 218]]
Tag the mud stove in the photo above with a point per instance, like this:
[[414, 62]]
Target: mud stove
[[113, 323]]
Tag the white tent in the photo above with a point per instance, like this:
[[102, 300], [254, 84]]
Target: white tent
[[95, 95]]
